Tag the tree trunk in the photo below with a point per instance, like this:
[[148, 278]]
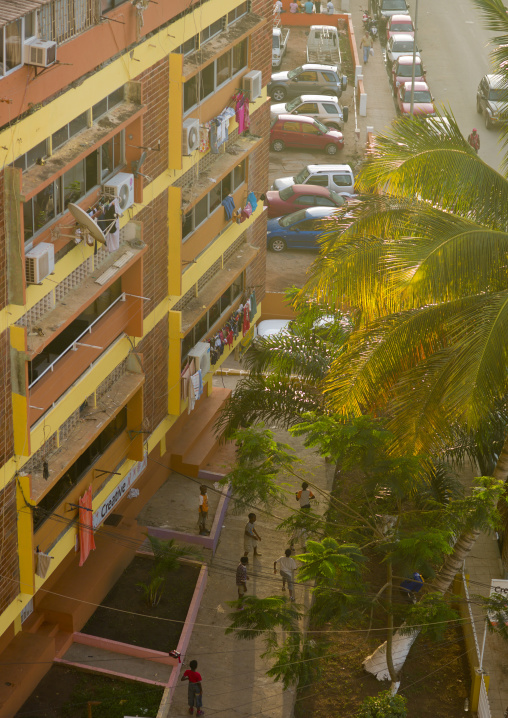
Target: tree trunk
[[501, 472], [376, 663], [389, 638]]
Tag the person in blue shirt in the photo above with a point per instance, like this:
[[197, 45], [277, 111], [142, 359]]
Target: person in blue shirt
[[309, 7], [410, 586]]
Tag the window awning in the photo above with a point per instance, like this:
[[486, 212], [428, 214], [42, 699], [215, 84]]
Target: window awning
[[14, 9]]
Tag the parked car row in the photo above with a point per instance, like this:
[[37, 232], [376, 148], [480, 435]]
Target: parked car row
[[307, 114]]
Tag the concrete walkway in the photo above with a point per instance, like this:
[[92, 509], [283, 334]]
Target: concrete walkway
[[107, 661], [234, 680]]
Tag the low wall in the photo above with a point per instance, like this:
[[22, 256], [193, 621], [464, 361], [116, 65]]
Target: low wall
[[212, 539], [125, 649], [275, 307], [183, 643]]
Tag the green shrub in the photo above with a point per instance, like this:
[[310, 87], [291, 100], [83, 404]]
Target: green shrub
[[383, 705]]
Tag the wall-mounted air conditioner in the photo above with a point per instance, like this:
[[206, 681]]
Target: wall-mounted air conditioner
[[41, 53], [190, 136], [252, 84], [121, 186], [39, 262], [200, 352]]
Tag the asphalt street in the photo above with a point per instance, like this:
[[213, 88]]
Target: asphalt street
[[455, 52]]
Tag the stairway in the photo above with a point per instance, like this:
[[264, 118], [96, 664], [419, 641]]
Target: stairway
[[194, 441]]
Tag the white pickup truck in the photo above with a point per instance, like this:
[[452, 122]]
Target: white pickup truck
[[323, 45], [280, 38]]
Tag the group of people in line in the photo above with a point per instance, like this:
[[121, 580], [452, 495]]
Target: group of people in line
[[306, 6], [285, 563]]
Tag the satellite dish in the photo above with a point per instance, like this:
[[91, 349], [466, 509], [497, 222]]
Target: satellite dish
[[86, 222]]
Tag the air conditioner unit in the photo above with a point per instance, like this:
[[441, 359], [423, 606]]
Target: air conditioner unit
[[252, 84], [190, 136], [39, 262], [121, 186], [41, 53], [200, 352]]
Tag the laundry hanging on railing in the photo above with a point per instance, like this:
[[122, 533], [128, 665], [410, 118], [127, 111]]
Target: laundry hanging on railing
[[239, 321], [86, 537], [242, 111], [229, 206], [219, 129]]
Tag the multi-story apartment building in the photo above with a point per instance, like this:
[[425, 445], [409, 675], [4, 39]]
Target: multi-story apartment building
[[142, 109]]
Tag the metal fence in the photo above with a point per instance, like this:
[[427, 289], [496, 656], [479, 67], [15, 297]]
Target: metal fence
[[483, 701], [60, 20]]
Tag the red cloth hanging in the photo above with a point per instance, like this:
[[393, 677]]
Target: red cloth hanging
[[86, 537], [246, 320]]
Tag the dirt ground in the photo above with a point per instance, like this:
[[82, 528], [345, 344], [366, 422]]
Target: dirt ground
[[65, 692], [144, 630], [435, 679], [289, 268]]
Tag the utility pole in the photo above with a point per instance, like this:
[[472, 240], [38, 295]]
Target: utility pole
[[411, 110]]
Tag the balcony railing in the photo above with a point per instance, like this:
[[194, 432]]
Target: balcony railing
[[77, 342]]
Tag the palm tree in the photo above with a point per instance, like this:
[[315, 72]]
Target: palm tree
[[424, 263]]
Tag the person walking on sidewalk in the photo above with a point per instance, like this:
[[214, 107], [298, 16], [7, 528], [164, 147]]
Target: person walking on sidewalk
[[251, 537], [203, 510], [474, 140], [242, 578], [287, 567], [366, 43], [304, 496], [195, 692]]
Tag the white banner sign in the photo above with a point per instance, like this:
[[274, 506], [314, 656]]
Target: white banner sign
[[119, 492], [498, 587]]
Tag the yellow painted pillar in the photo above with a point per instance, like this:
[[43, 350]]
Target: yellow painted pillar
[[25, 535], [174, 360], [475, 687]]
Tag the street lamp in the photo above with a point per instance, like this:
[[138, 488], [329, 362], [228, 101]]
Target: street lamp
[[411, 110]]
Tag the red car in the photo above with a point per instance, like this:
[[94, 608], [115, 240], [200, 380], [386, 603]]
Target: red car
[[422, 97], [300, 196], [399, 23], [402, 70], [305, 133]]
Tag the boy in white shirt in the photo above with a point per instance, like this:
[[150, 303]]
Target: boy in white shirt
[[288, 567]]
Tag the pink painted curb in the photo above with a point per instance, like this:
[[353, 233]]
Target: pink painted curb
[[210, 541], [114, 674], [126, 649]]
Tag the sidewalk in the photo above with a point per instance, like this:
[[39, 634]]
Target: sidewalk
[[483, 564], [234, 680]]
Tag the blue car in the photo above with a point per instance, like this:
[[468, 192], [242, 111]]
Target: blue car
[[298, 230]]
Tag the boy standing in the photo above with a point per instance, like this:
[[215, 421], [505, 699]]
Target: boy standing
[[242, 578], [195, 692], [288, 567], [203, 510], [251, 536]]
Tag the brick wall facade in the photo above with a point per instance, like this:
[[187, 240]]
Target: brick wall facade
[[6, 435], [3, 253], [261, 40], [155, 262], [9, 567], [155, 350], [155, 95]]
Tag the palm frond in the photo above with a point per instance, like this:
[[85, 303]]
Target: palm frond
[[270, 399]]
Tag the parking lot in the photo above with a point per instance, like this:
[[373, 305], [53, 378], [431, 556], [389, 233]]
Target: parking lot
[[289, 268]]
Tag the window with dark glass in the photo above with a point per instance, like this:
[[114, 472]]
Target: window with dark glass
[[207, 81], [223, 68], [201, 211], [100, 108], [238, 12], [190, 93], [239, 56]]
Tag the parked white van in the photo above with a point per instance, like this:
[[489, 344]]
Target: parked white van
[[339, 178]]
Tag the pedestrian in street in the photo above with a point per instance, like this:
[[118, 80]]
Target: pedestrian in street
[[309, 7], [277, 8], [317, 6], [251, 537], [242, 578], [287, 567], [304, 497], [474, 140], [366, 43], [293, 6], [195, 691], [203, 510]]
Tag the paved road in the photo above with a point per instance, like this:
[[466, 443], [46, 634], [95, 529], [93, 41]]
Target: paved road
[[456, 55]]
